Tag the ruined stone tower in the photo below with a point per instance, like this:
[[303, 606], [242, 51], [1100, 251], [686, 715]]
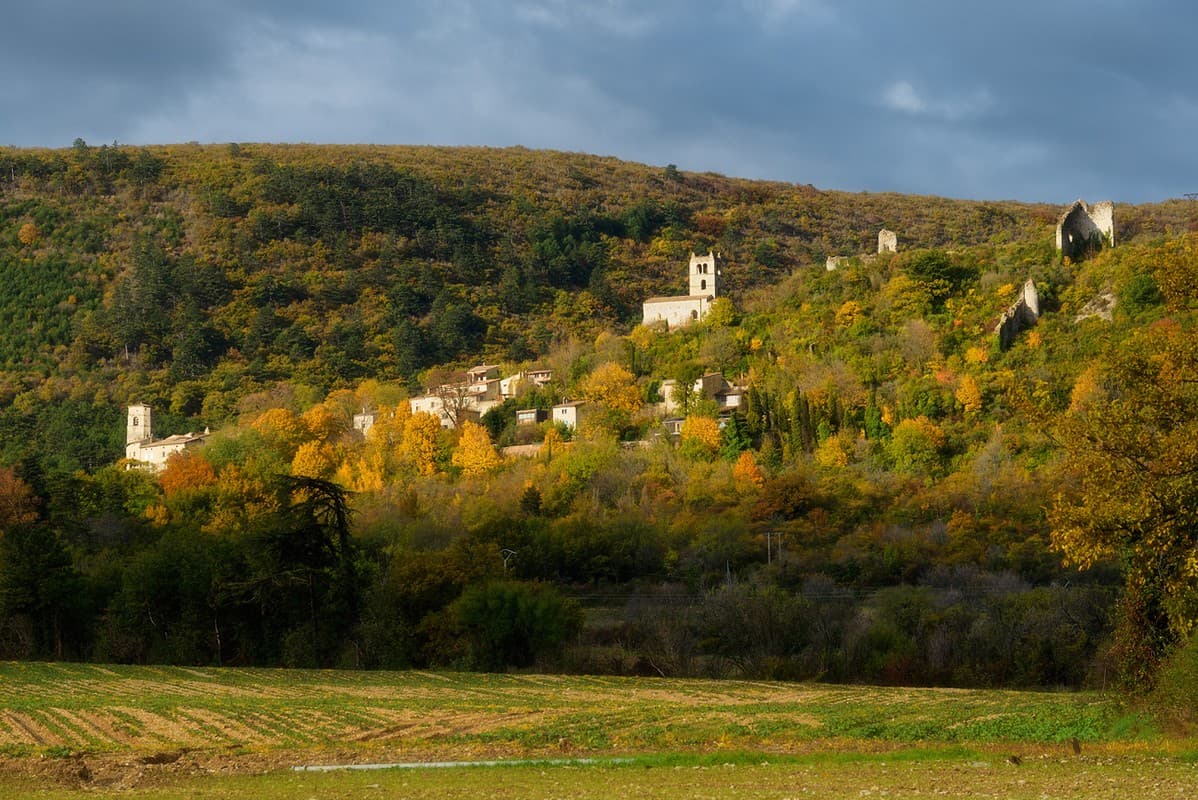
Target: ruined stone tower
[[1082, 229], [887, 241]]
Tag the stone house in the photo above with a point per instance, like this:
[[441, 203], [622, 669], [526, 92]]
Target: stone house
[[570, 414]]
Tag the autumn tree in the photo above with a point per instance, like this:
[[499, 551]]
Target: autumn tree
[[475, 454], [746, 472], [28, 234], [186, 471], [699, 437], [281, 429], [18, 504], [1132, 456], [421, 441], [969, 395], [613, 386], [315, 459], [324, 422]]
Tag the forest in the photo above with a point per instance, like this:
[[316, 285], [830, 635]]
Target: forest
[[899, 499]]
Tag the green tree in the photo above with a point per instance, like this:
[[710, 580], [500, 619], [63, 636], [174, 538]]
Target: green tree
[[513, 623], [41, 590]]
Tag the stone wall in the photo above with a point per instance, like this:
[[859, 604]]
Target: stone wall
[[1021, 315], [1082, 229], [887, 241]]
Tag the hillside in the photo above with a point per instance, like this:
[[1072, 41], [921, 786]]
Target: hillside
[[891, 502]]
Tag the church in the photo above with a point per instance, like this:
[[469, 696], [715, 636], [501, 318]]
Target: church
[[140, 445], [704, 274]]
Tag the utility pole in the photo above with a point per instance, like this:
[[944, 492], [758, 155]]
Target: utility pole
[[769, 546]]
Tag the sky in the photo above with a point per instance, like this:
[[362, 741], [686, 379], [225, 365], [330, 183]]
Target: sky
[[1035, 100]]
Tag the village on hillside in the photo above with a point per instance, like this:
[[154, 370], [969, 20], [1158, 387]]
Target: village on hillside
[[468, 395]]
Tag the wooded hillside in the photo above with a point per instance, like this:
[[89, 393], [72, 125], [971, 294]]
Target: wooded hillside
[[880, 504]]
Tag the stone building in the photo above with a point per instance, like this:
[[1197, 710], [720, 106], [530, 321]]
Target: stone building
[[1082, 229], [570, 414], [142, 447], [887, 241], [1022, 314], [704, 275]]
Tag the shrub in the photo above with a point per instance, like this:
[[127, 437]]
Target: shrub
[[514, 623], [1175, 699]]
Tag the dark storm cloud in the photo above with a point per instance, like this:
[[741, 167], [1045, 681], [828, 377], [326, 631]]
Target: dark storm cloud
[[1031, 100]]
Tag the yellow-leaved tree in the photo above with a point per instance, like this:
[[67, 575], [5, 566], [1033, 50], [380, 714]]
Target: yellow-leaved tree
[[969, 395], [28, 234], [1130, 489], [314, 459], [281, 430], [421, 440], [699, 437], [613, 386], [475, 454], [324, 423], [552, 444]]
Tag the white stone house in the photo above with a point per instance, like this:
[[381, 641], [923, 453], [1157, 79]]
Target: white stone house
[[712, 386], [704, 275], [570, 414], [364, 421], [142, 447]]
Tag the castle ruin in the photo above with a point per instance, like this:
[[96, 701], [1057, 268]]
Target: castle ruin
[[887, 241], [1083, 229], [1022, 314]]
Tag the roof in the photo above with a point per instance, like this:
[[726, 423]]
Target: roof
[[679, 297], [178, 438], [571, 404]]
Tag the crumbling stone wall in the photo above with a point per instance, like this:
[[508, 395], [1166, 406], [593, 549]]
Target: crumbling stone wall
[[1082, 229], [1021, 315], [887, 241]]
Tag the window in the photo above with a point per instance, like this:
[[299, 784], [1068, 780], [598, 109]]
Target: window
[[694, 314], [703, 284]]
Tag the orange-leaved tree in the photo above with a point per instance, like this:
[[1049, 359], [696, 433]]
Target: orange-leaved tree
[[18, 504], [186, 471], [746, 472]]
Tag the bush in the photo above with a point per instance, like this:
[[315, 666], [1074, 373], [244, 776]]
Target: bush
[[1175, 699], [514, 623]]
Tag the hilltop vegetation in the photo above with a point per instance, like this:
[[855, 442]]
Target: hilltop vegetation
[[879, 510]]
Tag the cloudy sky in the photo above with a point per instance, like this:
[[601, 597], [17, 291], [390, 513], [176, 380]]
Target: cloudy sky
[[1043, 100]]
